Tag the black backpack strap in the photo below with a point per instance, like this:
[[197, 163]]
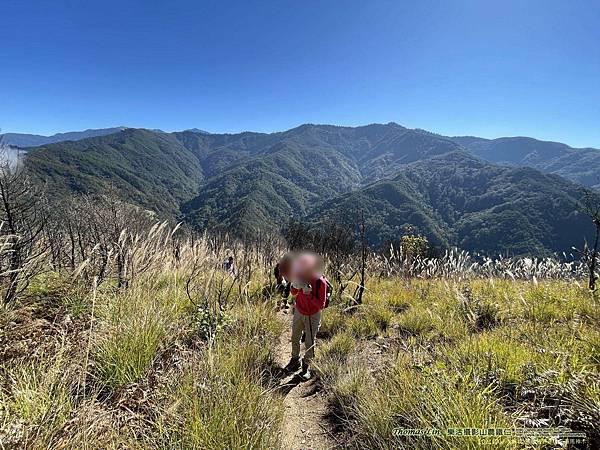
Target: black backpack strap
[[316, 290]]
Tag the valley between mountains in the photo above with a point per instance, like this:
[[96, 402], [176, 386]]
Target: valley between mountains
[[515, 196]]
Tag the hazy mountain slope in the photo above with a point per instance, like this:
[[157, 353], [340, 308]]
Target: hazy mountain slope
[[150, 169], [34, 140], [11, 154], [577, 164], [459, 199]]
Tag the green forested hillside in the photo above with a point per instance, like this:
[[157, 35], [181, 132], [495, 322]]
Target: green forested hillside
[[264, 190], [581, 165], [151, 169], [217, 152], [274, 176], [245, 182], [459, 200]]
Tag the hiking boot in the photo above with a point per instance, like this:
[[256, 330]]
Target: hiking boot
[[305, 374], [293, 365]]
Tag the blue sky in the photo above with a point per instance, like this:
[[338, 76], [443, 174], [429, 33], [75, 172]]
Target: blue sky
[[511, 67]]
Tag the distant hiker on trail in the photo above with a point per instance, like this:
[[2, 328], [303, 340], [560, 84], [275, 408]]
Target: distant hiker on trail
[[228, 266], [282, 275], [310, 288]]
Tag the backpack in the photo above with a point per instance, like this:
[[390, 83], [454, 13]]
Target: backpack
[[328, 293]]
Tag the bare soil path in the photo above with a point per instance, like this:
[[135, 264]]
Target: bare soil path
[[305, 425]]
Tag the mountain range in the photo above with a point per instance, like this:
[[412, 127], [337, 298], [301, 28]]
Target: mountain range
[[509, 195], [581, 165], [33, 140]]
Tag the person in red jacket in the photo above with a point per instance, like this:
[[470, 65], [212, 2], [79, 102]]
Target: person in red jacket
[[310, 289]]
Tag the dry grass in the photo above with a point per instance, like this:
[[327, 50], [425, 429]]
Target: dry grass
[[142, 373], [478, 353], [146, 366]]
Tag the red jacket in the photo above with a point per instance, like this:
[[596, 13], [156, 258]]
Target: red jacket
[[309, 304]]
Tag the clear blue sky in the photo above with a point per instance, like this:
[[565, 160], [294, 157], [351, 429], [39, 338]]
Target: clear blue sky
[[510, 67]]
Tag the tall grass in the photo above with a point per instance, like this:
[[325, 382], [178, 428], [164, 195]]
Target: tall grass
[[223, 400], [457, 341], [152, 379], [135, 324], [35, 402], [477, 353], [462, 265]]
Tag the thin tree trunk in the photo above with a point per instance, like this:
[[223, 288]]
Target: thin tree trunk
[[363, 262], [592, 283]]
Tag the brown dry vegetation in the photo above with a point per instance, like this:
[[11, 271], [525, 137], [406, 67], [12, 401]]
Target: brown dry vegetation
[[105, 367]]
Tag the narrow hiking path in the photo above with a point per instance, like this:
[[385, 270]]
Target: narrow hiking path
[[305, 425]]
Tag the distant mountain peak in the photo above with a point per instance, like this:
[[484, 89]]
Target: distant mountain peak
[[196, 130]]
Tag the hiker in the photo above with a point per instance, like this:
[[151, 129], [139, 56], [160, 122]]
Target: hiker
[[310, 288], [281, 272], [228, 266]]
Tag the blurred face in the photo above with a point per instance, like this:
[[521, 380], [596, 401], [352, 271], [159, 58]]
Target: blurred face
[[304, 266], [284, 269]]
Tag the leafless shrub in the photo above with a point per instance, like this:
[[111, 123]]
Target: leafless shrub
[[22, 222], [102, 235], [590, 206]]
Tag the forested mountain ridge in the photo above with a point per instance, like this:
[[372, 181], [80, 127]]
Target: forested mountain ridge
[[577, 164], [150, 169], [34, 140], [581, 165], [272, 177], [457, 199], [249, 181]]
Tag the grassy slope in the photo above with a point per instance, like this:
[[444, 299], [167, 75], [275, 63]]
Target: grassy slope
[[151, 380], [416, 354], [481, 354]]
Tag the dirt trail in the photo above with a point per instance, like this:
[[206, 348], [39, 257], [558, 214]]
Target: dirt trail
[[304, 423]]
